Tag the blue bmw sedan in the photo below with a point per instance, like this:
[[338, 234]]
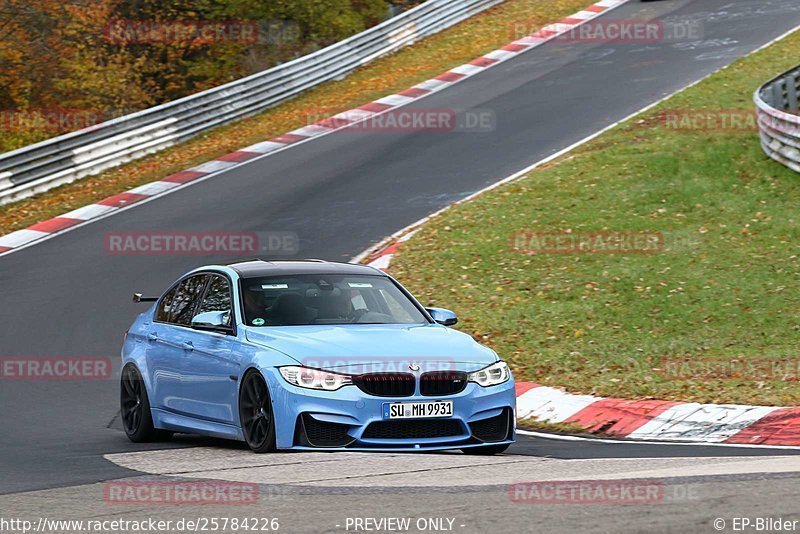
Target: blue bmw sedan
[[310, 355]]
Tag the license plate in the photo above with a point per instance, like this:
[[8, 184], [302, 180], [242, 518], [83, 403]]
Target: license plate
[[417, 410]]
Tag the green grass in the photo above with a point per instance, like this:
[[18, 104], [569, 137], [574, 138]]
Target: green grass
[[536, 425], [726, 287]]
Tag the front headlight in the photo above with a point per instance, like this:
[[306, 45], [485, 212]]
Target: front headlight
[[305, 377], [497, 373]]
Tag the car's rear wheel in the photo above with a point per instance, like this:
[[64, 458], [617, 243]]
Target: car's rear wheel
[[137, 420], [255, 413], [487, 450]]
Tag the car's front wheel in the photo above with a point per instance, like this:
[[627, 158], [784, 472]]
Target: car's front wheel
[[137, 420], [255, 413], [486, 450]]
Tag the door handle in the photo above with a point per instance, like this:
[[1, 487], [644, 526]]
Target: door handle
[[152, 336], [187, 345]]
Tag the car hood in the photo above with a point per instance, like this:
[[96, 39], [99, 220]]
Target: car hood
[[375, 348]]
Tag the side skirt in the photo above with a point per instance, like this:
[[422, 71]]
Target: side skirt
[[182, 423]]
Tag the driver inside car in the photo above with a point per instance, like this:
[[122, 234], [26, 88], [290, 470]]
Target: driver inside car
[[335, 304]]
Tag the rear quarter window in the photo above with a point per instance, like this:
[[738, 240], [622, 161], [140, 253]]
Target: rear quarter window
[[180, 302]]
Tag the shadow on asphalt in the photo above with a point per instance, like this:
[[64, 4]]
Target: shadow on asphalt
[[532, 446], [564, 449]]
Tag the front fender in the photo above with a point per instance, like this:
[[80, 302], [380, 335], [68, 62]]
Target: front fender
[[267, 361], [134, 348]]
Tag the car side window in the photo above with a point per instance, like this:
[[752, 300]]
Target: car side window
[[164, 307], [177, 306], [186, 299], [218, 296]]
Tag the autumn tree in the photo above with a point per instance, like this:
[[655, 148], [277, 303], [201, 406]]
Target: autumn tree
[[112, 57]]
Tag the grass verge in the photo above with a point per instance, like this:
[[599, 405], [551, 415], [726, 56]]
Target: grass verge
[[569, 429], [709, 314], [426, 59]]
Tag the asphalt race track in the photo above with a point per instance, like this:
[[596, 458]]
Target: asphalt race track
[[340, 194], [324, 492]]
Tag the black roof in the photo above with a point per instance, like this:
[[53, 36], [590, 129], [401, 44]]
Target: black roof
[[257, 268]]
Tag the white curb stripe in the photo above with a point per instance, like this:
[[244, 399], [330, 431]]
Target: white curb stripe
[[395, 100], [467, 69], [88, 212], [20, 237], [354, 115], [700, 422], [433, 85], [154, 188], [550, 404], [558, 27], [583, 15], [213, 166], [381, 263], [312, 130], [264, 147], [530, 41], [408, 236], [500, 55]]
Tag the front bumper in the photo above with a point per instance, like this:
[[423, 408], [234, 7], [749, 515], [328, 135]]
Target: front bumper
[[339, 420]]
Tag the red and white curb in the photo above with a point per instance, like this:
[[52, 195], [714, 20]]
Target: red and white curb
[[68, 221], [654, 420]]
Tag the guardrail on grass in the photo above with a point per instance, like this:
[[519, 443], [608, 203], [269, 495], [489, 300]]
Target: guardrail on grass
[[42, 166], [779, 118]]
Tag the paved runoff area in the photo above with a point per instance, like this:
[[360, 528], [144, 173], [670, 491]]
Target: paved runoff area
[[226, 486]]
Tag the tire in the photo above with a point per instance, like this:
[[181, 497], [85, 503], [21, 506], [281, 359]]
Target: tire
[[255, 413], [137, 419], [486, 450]]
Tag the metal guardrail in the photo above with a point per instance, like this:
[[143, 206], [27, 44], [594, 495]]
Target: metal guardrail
[[42, 166], [779, 118]]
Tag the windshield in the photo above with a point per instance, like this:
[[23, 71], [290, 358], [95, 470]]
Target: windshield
[[326, 299]]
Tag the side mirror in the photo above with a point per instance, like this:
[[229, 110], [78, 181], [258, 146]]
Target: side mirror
[[215, 321], [442, 316]]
